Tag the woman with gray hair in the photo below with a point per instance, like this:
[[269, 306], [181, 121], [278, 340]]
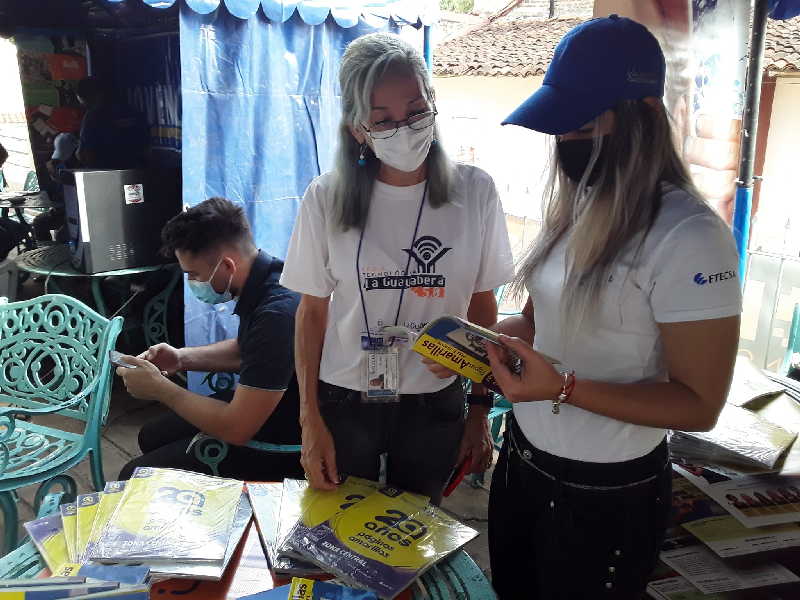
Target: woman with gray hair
[[395, 236]]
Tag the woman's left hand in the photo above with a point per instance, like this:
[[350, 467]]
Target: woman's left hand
[[538, 379]]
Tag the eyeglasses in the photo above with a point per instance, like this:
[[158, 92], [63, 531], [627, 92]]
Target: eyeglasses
[[387, 128]]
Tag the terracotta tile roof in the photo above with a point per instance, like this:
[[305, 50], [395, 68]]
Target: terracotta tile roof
[[524, 48], [782, 48], [514, 48]]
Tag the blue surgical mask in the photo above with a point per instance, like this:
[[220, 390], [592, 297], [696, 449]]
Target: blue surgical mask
[[205, 292]]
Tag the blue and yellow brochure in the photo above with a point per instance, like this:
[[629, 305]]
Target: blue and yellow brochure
[[69, 519], [106, 506], [384, 542], [169, 514], [266, 499], [47, 535], [87, 509], [309, 589], [460, 346]]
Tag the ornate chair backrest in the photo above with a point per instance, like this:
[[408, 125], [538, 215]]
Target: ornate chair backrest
[[52, 349]]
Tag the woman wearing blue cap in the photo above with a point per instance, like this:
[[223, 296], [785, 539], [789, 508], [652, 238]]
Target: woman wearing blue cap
[[633, 286]]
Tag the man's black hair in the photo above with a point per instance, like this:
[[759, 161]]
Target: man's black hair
[[212, 223], [3, 155]]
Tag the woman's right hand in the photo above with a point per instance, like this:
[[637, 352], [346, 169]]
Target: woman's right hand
[[438, 370], [318, 455]]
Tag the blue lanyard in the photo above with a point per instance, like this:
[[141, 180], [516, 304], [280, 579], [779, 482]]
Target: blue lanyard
[[405, 273]]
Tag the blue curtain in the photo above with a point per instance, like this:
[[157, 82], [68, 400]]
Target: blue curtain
[[260, 113]]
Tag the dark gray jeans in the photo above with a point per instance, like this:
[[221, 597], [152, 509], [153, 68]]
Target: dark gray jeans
[[420, 434]]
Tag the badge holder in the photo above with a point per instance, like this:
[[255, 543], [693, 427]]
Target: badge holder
[[381, 365]]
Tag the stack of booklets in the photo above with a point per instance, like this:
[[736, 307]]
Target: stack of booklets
[[741, 438], [172, 523], [370, 537]]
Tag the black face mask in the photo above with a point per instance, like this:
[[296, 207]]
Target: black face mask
[[574, 155]]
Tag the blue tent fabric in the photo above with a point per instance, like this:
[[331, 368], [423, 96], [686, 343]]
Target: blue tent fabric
[[260, 114], [346, 13]]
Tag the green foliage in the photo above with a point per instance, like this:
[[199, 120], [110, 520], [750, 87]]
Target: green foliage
[[459, 6]]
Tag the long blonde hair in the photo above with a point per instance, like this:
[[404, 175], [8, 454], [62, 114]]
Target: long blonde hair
[[601, 221]]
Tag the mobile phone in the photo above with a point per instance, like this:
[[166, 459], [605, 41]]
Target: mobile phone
[[458, 475], [116, 359]]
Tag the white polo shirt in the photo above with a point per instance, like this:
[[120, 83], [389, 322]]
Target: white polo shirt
[[686, 271], [461, 248]]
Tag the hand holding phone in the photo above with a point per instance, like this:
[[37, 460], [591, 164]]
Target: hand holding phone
[[116, 359]]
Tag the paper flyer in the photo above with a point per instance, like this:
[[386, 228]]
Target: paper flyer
[[384, 542], [168, 514], [709, 522], [47, 535], [711, 575], [87, 509], [754, 500], [679, 588], [69, 520]]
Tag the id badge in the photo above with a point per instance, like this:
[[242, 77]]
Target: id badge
[[381, 373]]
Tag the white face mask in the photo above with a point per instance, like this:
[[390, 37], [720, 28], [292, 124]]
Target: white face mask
[[406, 150]]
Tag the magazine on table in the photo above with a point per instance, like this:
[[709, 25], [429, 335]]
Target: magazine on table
[[755, 500], [266, 499], [384, 542], [109, 499], [47, 534], [69, 521], [679, 588], [709, 522], [711, 575], [87, 510], [750, 383], [168, 514], [740, 437]]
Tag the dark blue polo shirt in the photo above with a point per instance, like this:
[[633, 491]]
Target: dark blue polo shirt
[[266, 311]]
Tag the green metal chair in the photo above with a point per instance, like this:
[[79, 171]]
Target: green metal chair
[[31, 182], [212, 451], [456, 577], [3, 182], [53, 360]]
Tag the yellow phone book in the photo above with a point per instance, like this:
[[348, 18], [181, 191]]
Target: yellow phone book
[[169, 514]]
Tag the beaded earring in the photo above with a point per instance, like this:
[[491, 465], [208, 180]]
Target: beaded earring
[[361, 160]]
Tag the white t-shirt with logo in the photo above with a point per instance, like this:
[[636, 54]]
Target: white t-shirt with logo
[[686, 271], [461, 248]]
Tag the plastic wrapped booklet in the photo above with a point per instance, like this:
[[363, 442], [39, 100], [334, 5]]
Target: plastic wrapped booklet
[[57, 591], [87, 510], [461, 347], [168, 514], [127, 574], [109, 500], [266, 500], [384, 542], [176, 569], [317, 506], [309, 589], [740, 437], [47, 535], [69, 520]]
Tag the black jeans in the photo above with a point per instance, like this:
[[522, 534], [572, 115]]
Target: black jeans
[[163, 442], [571, 530], [420, 435]]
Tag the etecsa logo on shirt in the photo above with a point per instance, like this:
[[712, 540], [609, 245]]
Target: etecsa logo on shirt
[[701, 279]]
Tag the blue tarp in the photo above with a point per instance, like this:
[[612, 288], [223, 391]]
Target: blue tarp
[[345, 13], [260, 114]]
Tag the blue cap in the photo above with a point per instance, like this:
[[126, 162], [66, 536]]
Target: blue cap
[[595, 66]]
